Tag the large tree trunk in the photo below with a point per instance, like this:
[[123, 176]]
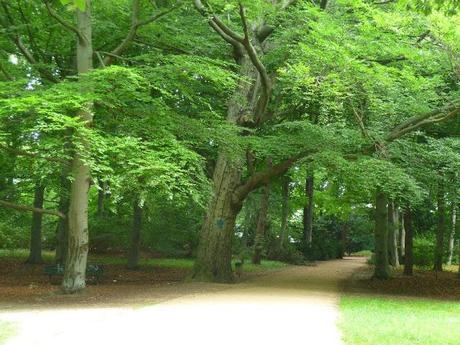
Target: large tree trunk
[[284, 211], [452, 233], [382, 269], [77, 253], [261, 228], [133, 255], [392, 235], [308, 210], [402, 236], [439, 249], [409, 239], [35, 254], [213, 262]]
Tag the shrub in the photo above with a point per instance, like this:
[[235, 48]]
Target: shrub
[[423, 251]]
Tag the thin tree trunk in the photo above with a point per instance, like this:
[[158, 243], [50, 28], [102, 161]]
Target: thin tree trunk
[[100, 198], [77, 253], [439, 249], [284, 211], [382, 269], [134, 252], [35, 254], [452, 233], [62, 230], [261, 228], [409, 239], [402, 236], [392, 236], [308, 210], [343, 239]]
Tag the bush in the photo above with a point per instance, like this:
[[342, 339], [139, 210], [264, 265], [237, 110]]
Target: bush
[[423, 251]]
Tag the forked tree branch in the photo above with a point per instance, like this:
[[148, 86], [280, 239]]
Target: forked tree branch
[[136, 23], [64, 23]]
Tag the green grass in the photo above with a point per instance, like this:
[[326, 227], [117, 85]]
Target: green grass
[[181, 263], [383, 321], [7, 330], [365, 253]]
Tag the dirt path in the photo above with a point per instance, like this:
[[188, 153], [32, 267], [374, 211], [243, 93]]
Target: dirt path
[[297, 304]]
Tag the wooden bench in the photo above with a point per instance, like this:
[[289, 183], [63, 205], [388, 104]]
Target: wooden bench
[[94, 273]]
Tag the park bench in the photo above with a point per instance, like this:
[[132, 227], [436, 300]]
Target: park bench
[[93, 272]]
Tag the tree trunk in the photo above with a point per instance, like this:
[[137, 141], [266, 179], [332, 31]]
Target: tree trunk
[[77, 253], [62, 230], [213, 262], [35, 254], [392, 235], [284, 211], [439, 249], [452, 233], [308, 210], [409, 239], [402, 236], [261, 228], [343, 239], [100, 198], [382, 269], [133, 256]]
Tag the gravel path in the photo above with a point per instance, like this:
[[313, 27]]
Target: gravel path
[[296, 305]]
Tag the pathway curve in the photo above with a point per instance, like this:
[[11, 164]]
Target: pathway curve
[[296, 305]]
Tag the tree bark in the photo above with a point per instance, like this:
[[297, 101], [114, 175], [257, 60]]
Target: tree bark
[[213, 262], [452, 233], [382, 269], [284, 211], [392, 236], [402, 236], [134, 251], [100, 198], [439, 248], [261, 228], [308, 210], [77, 253], [409, 239], [35, 254], [62, 230]]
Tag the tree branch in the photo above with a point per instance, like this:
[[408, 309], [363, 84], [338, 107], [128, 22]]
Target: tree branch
[[135, 25], [64, 23], [20, 152], [31, 209], [223, 30], [263, 177], [264, 77], [416, 122], [7, 74]]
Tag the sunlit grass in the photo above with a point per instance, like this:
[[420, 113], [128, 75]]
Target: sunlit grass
[[7, 330], [178, 263], [363, 253], [384, 321]]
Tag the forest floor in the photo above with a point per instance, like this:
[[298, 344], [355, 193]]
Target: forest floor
[[279, 306]]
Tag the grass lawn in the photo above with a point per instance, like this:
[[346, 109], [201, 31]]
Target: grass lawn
[[6, 331], [184, 263], [386, 321]]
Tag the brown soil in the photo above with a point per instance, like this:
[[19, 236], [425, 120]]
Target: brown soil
[[424, 284]]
